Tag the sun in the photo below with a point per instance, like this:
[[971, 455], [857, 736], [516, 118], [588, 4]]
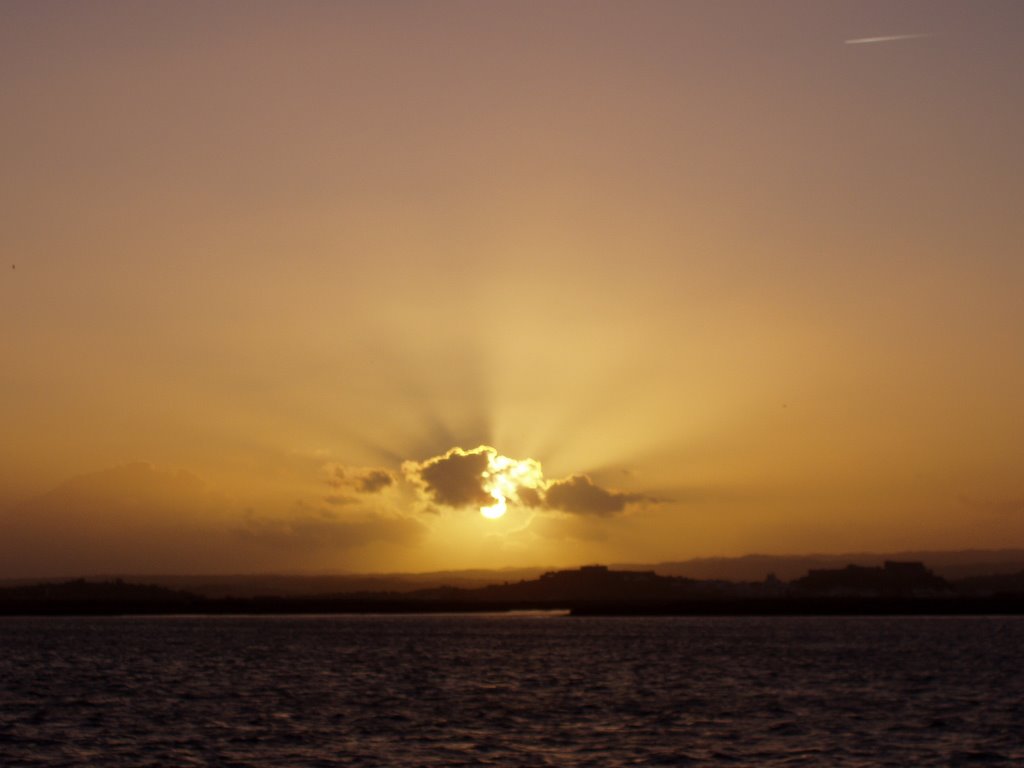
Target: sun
[[503, 479]]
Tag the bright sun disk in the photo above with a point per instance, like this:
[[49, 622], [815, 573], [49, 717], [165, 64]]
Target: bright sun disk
[[503, 478]]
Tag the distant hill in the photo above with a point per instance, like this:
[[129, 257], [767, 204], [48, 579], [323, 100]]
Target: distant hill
[[949, 565], [295, 585], [895, 588], [116, 596]]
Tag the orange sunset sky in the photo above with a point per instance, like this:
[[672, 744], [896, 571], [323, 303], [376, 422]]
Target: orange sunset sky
[[714, 277]]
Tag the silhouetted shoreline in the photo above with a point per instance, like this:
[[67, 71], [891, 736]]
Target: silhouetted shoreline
[[897, 588], [1009, 605], [854, 606]]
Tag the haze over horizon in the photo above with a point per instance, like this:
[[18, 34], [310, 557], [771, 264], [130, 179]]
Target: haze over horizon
[[306, 287]]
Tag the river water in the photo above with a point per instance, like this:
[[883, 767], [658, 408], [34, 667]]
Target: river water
[[510, 690]]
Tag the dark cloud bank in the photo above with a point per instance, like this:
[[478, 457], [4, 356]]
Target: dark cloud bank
[[457, 479]]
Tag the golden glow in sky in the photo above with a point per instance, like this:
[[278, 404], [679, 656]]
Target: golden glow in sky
[[323, 286], [503, 479]]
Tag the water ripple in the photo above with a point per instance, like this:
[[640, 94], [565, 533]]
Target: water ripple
[[510, 691]]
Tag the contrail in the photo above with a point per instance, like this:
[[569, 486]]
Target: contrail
[[886, 38]]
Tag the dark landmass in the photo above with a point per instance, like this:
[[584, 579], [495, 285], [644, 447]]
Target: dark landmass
[[295, 585], [94, 597], [998, 605], [949, 565], [903, 588], [748, 568]]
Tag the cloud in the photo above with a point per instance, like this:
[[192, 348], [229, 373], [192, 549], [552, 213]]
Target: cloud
[[484, 479], [128, 491], [132, 517], [139, 518], [374, 480], [531, 497], [312, 528], [352, 482], [454, 479], [887, 38], [579, 495], [339, 500]]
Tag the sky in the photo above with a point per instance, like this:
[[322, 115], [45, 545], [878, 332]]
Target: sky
[[303, 287]]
